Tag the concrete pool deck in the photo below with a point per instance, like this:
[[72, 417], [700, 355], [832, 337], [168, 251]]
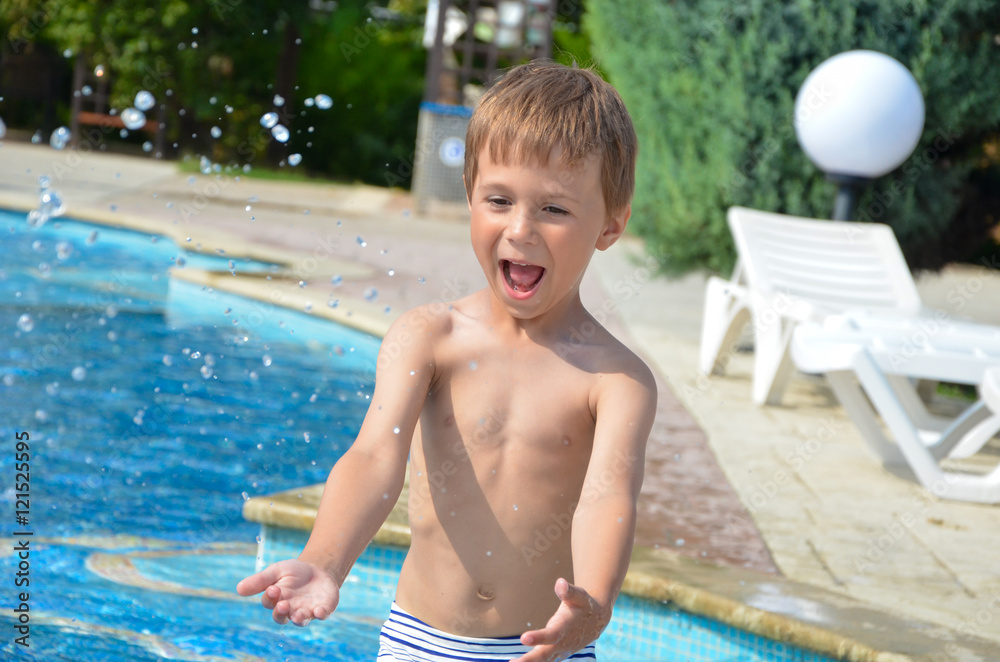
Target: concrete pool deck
[[821, 559]]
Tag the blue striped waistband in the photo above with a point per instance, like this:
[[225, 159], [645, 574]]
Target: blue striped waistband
[[406, 637]]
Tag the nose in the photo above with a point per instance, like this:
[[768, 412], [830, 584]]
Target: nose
[[521, 229]]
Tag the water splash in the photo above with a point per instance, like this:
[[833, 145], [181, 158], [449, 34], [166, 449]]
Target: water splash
[[323, 102], [133, 118], [216, 132], [280, 133], [268, 120], [26, 323], [144, 100], [60, 138], [50, 204], [294, 159]]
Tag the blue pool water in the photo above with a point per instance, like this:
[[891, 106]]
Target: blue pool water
[[152, 406]]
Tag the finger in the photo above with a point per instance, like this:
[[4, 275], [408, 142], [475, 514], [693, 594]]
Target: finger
[[301, 617], [540, 654], [271, 596], [321, 613], [542, 637], [281, 612], [258, 582], [572, 595]]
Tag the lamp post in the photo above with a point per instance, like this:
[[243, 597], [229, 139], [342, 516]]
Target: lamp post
[[858, 116]]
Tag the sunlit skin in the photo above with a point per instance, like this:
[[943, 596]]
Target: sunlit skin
[[526, 437]]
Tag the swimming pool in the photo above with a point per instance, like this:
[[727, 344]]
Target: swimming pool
[[154, 407]]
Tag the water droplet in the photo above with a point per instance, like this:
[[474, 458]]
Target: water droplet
[[41, 415], [308, 307], [337, 280], [91, 238], [60, 138], [515, 506], [8, 380], [216, 132], [266, 360], [280, 133], [361, 242], [395, 430], [26, 323], [3, 128], [279, 100], [144, 100], [99, 70], [168, 360], [302, 283], [268, 120], [206, 372], [294, 159], [195, 354], [473, 365], [371, 294], [310, 102], [52, 389], [133, 118], [391, 272], [323, 102], [679, 542], [79, 373], [489, 553]]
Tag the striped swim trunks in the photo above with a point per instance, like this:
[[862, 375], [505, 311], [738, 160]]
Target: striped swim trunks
[[405, 638]]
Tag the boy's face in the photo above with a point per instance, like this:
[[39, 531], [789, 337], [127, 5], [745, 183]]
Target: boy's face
[[535, 228]]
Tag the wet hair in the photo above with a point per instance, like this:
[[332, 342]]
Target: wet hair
[[541, 104]]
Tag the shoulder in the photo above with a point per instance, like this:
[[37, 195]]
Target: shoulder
[[423, 328], [622, 377]]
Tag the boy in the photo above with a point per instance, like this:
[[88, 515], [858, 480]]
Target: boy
[[524, 420]]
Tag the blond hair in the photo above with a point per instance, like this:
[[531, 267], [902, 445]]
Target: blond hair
[[539, 105]]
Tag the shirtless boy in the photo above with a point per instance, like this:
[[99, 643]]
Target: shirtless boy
[[518, 412]]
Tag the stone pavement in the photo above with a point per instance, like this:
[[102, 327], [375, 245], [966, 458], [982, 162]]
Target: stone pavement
[[787, 489]]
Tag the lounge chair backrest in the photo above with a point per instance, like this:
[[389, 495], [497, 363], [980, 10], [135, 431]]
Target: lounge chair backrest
[[832, 265]]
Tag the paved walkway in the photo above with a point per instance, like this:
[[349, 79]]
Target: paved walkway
[[835, 523]]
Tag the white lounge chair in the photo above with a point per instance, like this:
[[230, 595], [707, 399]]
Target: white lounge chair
[[790, 270], [870, 360]]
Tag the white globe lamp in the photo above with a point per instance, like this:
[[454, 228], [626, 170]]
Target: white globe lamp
[[858, 116]]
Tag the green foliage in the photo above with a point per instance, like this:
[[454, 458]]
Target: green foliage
[[374, 71], [711, 86], [218, 64]]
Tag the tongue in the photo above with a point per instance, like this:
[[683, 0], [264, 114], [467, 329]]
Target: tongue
[[524, 277]]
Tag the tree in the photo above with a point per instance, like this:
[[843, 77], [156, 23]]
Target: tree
[[711, 86]]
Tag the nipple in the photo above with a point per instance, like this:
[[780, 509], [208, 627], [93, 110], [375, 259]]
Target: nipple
[[486, 592]]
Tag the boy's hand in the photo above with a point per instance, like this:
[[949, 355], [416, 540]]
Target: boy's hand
[[294, 590], [578, 621]]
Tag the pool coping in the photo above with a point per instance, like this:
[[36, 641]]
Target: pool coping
[[719, 592]]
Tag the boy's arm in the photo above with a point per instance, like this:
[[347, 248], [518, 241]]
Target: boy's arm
[[363, 485], [604, 523]]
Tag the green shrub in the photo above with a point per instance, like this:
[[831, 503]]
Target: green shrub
[[711, 86]]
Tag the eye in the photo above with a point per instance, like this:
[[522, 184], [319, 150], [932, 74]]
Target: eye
[[558, 211], [496, 201]]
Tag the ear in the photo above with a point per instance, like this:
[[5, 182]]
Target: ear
[[614, 228]]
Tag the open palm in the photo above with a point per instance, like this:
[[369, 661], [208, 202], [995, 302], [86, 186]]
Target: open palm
[[294, 591]]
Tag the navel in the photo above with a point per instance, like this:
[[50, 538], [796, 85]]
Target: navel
[[486, 592]]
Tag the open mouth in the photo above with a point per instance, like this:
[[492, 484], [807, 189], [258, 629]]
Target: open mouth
[[520, 277]]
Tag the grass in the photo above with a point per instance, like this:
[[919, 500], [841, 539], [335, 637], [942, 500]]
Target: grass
[[957, 391]]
